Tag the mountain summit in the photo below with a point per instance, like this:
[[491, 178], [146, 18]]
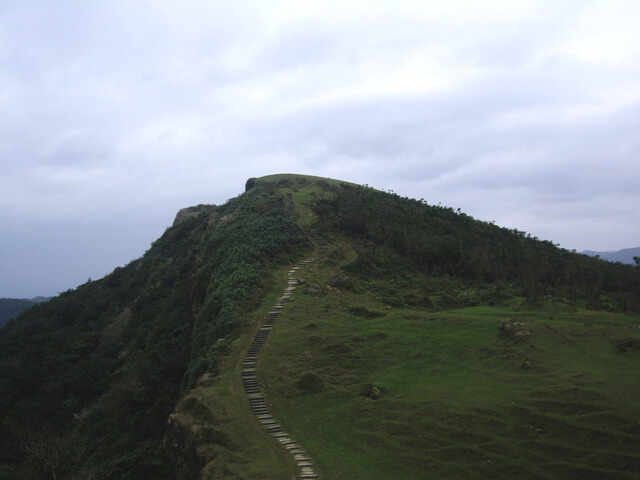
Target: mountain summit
[[373, 335]]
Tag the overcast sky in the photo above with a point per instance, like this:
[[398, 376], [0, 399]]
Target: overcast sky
[[116, 114]]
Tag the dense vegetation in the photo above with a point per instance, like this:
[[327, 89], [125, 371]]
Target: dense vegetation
[[89, 378], [394, 233], [392, 361], [430, 345]]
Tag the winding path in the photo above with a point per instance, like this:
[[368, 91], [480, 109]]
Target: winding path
[[250, 381]]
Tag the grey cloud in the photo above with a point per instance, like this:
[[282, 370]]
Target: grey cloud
[[120, 113]]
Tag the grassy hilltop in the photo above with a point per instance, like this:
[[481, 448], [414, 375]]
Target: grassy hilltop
[[423, 345]]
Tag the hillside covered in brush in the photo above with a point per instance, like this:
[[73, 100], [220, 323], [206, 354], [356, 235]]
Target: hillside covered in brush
[[89, 378], [11, 307], [424, 344]]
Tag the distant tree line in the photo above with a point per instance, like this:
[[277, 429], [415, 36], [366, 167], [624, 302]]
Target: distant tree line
[[441, 241]]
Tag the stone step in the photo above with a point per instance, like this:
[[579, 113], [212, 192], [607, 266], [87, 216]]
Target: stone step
[[249, 372]]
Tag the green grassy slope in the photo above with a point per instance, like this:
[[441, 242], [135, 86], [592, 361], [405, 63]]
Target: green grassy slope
[[390, 362], [385, 369], [457, 399]]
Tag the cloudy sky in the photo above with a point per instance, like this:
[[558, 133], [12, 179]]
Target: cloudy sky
[[115, 114]]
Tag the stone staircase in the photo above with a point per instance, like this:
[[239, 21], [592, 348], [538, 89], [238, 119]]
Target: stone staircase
[[250, 381]]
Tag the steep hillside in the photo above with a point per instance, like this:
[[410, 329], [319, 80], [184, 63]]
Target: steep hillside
[[90, 377], [426, 344], [11, 307], [419, 343]]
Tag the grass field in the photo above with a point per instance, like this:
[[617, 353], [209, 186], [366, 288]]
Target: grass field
[[375, 388], [226, 439], [456, 398]]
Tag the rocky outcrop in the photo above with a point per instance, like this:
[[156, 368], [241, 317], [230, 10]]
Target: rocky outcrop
[[190, 212], [515, 331]]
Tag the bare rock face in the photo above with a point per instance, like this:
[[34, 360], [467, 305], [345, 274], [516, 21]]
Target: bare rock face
[[314, 290], [205, 380], [251, 183], [370, 391], [176, 435], [514, 331], [180, 440], [190, 212], [375, 393]]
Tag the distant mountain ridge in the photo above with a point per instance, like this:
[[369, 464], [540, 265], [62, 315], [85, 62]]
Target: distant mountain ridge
[[11, 307], [624, 256]]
